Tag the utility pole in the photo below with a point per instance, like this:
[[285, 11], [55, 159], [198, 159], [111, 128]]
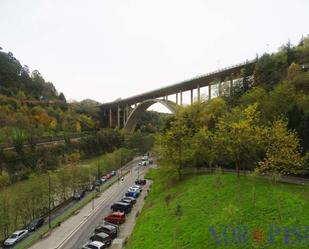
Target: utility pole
[[98, 169], [92, 200], [49, 201]]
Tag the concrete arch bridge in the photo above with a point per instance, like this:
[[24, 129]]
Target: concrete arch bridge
[[125, 113]]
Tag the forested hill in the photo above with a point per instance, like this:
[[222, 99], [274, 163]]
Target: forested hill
[[17, 81], [31, 106]]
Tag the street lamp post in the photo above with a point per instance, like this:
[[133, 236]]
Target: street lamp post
[[49, 201], [93, 195], [138, 172]]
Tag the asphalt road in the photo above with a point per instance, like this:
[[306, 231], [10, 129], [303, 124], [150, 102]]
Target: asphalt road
[[116, 192]]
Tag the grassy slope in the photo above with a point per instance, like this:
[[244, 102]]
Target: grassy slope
[[213, 200]]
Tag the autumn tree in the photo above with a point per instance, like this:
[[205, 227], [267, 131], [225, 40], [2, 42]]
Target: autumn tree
[[239, 135], [282, 151]]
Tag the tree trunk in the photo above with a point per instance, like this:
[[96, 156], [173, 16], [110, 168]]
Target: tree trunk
[[179, 171]]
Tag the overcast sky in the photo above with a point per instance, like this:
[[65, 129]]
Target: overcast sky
[[105, 49]]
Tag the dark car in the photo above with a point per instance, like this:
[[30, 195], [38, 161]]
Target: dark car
[[131, 194], [35, 224], [102, 237], [111, 224], [140, 182], [90, 187], [78, 194], [111, 230], [97, 183], [122, 207]]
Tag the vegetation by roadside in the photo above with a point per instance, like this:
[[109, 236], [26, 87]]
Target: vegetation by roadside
[[194, 212], [44, 231], [29, 199]]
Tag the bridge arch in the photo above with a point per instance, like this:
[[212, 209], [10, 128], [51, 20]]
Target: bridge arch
[[136, 114]]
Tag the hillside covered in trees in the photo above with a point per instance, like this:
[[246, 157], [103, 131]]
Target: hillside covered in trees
[[30, 104], [262, 126]]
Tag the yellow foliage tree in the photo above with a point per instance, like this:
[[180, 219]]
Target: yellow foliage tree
[[293, 70], [282, 151], [53, 123], [78, 127]]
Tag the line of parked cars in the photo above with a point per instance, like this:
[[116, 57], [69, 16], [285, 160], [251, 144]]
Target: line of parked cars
[[80, 193], [109, 229], [21, 234], [145, 161]]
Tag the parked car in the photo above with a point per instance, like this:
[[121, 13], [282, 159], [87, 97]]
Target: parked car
[[113, 173], [103, 179], [90, 187], [134, 189], [111, 224], [122, 207], [131, 194], [140, 187], [130, 198], [35, 224], [116, 218], [108, 176], [102, 237], [129, 201], [78, 194], [111, 230], [94, 245], [97, 183], [140, 182], [16, 237]]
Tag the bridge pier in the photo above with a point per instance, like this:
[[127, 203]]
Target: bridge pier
[[180, 97], [220, 88], [209, 92], [198, 93], [231, 85], [110, 118], [118, 117]]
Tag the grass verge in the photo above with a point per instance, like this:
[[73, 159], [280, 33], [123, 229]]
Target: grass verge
[[222, 211]]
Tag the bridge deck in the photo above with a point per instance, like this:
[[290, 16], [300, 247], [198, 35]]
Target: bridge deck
[[200, 81]]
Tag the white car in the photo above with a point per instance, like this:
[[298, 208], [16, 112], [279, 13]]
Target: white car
[[137, 186], [132, 189], [94, 245], [15, 237]]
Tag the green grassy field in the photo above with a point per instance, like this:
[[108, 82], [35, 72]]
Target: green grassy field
[[209, 205]]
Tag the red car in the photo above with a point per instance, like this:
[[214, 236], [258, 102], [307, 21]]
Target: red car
[[108, 176], [116, 218]]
